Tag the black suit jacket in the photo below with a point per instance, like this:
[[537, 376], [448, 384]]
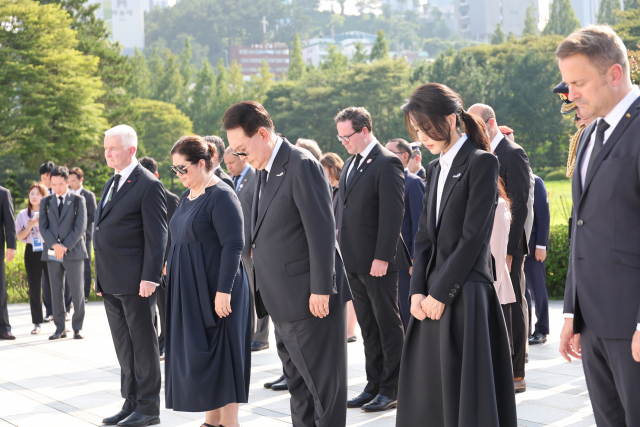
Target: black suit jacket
[[413, 195], [541, 217], [295, 253], [602, 287], [130, 234], [90, 199], [514, 171], [7, 221], [223, 176], [422, 173], [245, 195], [373, 208], [172, 204], [457, 250]]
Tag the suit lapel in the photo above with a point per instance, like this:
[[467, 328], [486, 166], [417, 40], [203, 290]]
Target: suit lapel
[[433, 200], [343, 179], [129, 182], [577, 172], [105, 190], [458, 167], [364, 165], [53, 206], [66, 206]]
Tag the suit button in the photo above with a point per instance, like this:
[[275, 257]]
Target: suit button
[[456, 286], [345, 206], [580, 222], [451, 295], [97, 228], [253, 245]]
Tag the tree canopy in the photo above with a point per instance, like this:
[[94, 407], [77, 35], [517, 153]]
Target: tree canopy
[[562, 19]]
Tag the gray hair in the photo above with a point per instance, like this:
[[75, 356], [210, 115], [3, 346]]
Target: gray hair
[[128, 136]]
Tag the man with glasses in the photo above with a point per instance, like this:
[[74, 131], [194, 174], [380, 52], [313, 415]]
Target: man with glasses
[[372, 197]]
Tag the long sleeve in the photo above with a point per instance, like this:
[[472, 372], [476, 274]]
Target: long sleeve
[[9, 222], [416, 195], [79, 226], [517, 182], [422, 245], [391, 209], [499, 241], [229, 224], [154, 224], [49, 238], [541, 214]]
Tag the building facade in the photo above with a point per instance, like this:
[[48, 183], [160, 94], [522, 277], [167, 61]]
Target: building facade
[[250, 58], [477, 19], [125, 21]]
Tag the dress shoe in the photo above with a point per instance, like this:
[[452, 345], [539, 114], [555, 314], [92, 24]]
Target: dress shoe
[[137, 419], [537, 338], [115, 419], [7, 336], [282, 385], [86, 300], [361, 399], [57, 335], [48, 318], [270, 384], [520, 385], [352, 339], [162, 356], [257, 346], [380, 403], [78, 335]]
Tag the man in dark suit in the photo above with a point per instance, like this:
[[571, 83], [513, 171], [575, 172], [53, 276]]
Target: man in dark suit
[[76, 178], [415, 162], [217, 169], [372, 193], [8, 235], [130, 240], [63, 224], [172, 203], [602, 294], [413, 195], [515, 173], [298, 272], [534, 264], [244, 182]]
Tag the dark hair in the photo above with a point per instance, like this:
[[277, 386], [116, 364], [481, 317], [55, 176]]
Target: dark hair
[[149, 164], [218, 142], [248, 115], [77, 172], [333, 163], [195, 148], [600, 44], [60, 171], [47, 167], [403, 145], [430, 104], [358, 116], [43, 192]]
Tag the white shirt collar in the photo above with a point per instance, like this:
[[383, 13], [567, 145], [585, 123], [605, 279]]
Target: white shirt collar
[[217, 167], [494, 143], [615, 115], [407, 170], [78, 191], [124, 173], [64, 196], [274, 154], [368, 149], [449, 156]]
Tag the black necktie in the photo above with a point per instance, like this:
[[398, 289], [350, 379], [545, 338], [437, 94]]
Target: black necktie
[[263, 185], [597, 145], [60, 205], [114, 188], [356, 164], [235, 182]]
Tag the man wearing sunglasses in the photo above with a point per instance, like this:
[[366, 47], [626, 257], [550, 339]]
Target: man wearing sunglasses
[[298, 273]]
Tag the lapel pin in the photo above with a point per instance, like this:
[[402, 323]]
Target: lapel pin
[[628, 115], [456, 176], [241, 185], [360, 170], [369, 161], [128, 181], [280, 174]]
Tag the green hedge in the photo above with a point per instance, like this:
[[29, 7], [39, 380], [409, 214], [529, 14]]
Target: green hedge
[[556, 176], [557, 261]]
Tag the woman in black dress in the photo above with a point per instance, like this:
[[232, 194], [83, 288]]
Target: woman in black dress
[[208, 334], [456, 363]]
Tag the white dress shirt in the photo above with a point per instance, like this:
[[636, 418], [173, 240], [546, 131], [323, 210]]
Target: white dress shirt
[[78, 191], [446, 160], [364, 154], [124, 175], [496, 140], [64, 197]]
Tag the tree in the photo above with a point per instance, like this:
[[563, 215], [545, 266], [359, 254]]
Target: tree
[[628, 28], [562, 19], [203, 96], [170, 82], [261, 82], [48, 89], [336, 61], [607, 11], [530, 21], [380, 49], [631, 4], [296, 62], [498, 35], [140, 83], [360, 55]]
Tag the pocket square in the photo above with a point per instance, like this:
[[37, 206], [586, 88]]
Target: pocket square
[[280, 174], [456, 176]]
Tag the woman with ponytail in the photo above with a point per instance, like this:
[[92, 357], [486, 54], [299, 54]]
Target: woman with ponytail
[[456, 362]]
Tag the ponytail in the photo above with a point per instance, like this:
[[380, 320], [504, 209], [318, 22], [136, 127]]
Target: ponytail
[[476, 130]]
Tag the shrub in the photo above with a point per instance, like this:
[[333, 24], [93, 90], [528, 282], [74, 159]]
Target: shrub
[[556, 176], [557, 261]]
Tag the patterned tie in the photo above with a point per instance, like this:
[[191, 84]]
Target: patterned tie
[[263, 185], [114, 188], [60, 205], [356, 164], [597, 145]]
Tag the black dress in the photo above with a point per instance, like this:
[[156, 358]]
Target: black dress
[[208, 358]]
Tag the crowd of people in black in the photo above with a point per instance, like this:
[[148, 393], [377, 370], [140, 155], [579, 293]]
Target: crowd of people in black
[[437, 265]]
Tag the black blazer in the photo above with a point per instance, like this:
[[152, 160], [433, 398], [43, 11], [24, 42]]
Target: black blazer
[[130, 234], [172, 204], [602, 287], [223, 176], [457, 250], [541, 217], [514, 171], [90, 199], [422, 173], [295, 252], [372, 212], [7, 221], [245, 195], [413, 195]]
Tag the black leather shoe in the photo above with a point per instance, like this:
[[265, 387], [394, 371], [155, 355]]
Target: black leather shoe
[[282, 385], [270, 384], [352, 339], [78, 335], [115, 419], [361, 399], [57, 335], [140, 420], [538, 338], [257, 346], [520, 386], [380, 403], [7, 336]]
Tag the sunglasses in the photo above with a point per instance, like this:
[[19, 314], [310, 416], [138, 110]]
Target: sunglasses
[[180, 170], [243, 153]]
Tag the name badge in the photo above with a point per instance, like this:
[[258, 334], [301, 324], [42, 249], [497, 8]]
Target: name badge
[[37, 244]]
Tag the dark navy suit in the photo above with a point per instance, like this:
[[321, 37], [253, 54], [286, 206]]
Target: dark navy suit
[[413, 195], [534, 271]]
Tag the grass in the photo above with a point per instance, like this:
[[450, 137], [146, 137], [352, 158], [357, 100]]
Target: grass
[[559, 201]]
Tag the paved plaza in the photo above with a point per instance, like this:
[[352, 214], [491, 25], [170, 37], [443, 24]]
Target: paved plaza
[[75, 383]]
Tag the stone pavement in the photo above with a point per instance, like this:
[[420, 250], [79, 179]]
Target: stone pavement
[[75, 383]]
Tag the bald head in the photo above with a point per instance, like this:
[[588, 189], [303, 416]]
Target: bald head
[[486, 113], [235, 164]]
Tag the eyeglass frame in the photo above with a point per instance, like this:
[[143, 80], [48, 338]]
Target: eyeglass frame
[[244, 153], [346, 138], [177, 171]]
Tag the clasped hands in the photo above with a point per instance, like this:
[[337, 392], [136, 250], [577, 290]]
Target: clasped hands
[[426, 306], [59, 250]]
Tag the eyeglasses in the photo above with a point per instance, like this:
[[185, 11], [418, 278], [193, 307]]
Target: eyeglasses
[[180, 170], [243, 153], [346, 138]]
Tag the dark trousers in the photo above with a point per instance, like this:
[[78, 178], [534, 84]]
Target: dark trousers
[[34, 266], [161, 301], [314, 356], [613, 380], [73, 272], [535, 274], [375, 300], [136, 341], [518, 324], [87, 268], [46, 295], [260, 326], [404, 285], [5, 326]]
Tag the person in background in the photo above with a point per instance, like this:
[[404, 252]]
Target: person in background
[[29, 232], [76, 178], [217, 169], [311, 146], [8, 236], [45, 175], [415, 162]]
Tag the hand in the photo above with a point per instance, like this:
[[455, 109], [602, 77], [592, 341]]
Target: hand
[[416, 306], [10, 254], [223, 304], [433, 308], [635, 346], [146, 289], [95, 289], [164, 270], [541, 254], [379, 268], [569, 342], [319, 305], [59, 250], [509, 261], [32, 223], [411, 268]]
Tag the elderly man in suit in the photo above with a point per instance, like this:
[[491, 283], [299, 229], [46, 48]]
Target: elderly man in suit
[[602, 294], [130, 240], [63, 224], [8, 235], [297, 268], [217, 169]]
